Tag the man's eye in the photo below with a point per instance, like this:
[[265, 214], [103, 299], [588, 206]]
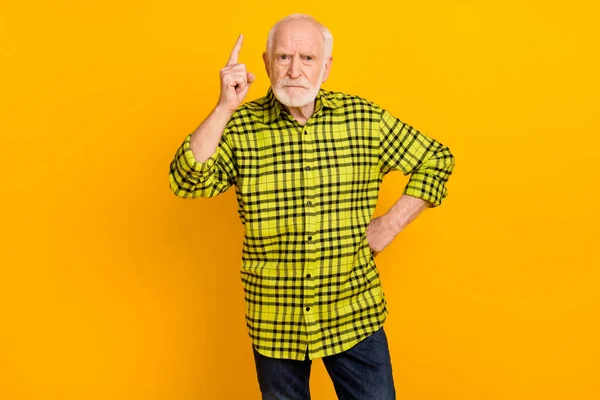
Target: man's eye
[[283, 56]]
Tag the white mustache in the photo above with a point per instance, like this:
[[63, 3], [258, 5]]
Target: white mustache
[[289, 82]]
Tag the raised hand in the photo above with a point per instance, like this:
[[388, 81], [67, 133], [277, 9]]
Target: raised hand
[[235, 80]]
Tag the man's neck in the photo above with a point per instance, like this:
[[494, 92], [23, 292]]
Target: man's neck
[[301, 114]]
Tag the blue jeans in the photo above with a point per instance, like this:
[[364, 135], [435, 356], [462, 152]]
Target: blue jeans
[[363, 372]]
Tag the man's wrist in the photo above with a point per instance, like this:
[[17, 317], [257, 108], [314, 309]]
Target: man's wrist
[[394, 221], [221, 114]]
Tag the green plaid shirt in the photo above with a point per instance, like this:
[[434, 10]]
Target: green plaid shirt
[[306, 194]]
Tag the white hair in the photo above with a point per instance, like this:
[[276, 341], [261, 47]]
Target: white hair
[[327, 37]]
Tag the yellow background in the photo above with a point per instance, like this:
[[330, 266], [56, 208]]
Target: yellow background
[[113, 288]]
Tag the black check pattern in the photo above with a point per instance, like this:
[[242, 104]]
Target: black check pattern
[[306, 195]]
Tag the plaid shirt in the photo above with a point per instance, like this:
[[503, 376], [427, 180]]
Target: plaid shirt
[[306, 194]]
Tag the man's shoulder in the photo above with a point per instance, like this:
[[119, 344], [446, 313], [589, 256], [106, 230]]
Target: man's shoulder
[[350, 100], [254, 107]]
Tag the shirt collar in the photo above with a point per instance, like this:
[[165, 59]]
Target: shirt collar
[[272, 107]]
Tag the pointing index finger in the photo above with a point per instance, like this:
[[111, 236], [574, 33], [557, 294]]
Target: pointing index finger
[[233, 57]]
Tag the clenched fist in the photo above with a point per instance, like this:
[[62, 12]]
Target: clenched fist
[[235, 80]]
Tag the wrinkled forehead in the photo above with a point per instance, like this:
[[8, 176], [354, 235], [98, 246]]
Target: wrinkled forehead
[[292, 35]]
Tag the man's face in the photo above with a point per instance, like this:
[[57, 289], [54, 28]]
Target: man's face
[[296, 65]]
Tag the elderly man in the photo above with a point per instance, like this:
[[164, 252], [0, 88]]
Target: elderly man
[[307, 165]]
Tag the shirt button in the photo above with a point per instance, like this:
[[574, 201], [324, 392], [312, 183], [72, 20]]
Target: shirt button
[[306, 133], [309, 238], [307, 308], [308, 167], [308, 276], [309, 203]]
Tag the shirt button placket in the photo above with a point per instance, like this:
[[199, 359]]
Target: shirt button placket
[[311, 223]]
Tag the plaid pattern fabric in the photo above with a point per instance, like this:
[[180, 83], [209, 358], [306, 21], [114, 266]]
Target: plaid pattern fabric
[[306, 195]]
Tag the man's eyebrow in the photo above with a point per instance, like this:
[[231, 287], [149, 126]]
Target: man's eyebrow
[[302, 53]]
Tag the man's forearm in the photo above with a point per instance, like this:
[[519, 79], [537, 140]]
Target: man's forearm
[[406, 209], [205, 139]]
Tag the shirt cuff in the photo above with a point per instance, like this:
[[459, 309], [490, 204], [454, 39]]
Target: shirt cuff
[[187, 164], [427, 187]]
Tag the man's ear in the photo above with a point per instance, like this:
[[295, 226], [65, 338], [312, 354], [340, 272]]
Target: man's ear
[[266, 61], [327, 68]]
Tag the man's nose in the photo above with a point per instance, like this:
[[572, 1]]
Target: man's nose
[[295, 68]]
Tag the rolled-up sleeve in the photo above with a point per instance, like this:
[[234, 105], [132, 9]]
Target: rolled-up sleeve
[[429, 162], [189, 178]]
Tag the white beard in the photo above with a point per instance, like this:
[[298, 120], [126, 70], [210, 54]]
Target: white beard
[[297, 97]]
